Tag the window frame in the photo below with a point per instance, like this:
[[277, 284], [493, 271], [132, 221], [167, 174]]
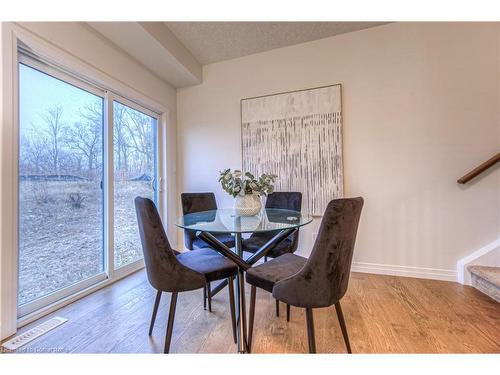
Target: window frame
[[110, 270], [109, 184], [14, 38], [69, 290]]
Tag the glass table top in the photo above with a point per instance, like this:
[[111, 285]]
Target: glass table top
[[225, 220]]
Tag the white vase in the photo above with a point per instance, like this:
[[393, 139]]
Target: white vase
[[247, 205]]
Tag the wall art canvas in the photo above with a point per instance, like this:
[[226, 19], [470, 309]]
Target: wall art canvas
[[297, 136]]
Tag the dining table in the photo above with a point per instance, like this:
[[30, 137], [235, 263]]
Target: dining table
[[282, 223]]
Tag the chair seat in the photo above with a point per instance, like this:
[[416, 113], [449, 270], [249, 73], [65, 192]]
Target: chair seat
[[208, 262], [226, 239], [256, 241], [269, 273]]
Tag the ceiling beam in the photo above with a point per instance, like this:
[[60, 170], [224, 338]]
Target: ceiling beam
[[155, 47]]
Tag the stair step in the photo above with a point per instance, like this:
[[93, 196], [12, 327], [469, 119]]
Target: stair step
[[486, 280]]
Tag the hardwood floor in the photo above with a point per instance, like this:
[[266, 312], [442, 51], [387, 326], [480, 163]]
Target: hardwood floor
[[384, 314]]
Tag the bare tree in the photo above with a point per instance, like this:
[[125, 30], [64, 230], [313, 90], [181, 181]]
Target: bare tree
[[55, 129], [24, 155], [139, 131], [34, 155], [85, 137], [120, 138]]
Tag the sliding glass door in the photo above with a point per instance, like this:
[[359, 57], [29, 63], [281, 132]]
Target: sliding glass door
[[66, 201], [60, 198], [135, 174]]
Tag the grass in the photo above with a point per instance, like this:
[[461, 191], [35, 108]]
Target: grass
[[61, 236]]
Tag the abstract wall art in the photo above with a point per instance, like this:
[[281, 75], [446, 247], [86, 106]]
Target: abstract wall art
[[298, 136]]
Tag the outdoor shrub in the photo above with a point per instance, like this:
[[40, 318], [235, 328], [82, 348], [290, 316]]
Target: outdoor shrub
[[41, 192], [76, 200]]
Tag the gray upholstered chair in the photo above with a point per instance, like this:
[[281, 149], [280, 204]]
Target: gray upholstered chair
[[283, 200], [319, 281], [288, 200], [198, 202], [174, 272]]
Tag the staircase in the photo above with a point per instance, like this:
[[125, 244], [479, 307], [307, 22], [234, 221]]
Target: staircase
[[486, 280]]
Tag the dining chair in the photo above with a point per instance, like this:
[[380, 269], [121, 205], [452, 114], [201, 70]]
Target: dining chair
[[197, 202], [321, 280], [283, 200], [174, 272]]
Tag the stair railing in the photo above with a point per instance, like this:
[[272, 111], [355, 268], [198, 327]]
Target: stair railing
[[479, 169]]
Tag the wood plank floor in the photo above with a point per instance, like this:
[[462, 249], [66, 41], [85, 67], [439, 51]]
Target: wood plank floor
[[384, 314]]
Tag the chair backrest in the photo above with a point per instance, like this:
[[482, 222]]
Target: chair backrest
[[164, 271], [324, 278], [196, 202], [289, 200]]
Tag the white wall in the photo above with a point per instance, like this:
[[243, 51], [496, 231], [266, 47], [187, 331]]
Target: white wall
[[420, 109], [1, 163], [82, 45]]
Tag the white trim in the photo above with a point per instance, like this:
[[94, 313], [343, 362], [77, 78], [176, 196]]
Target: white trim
[[128, 269], [13, 36], [57, 295], [111, 98], [167, 179], [405, 271], [462, 263], [109, 188], [9, 178], [75, 66], [59, 74], [133, 105]]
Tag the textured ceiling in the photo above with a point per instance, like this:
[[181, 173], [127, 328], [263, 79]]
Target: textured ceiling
[[216, 41]]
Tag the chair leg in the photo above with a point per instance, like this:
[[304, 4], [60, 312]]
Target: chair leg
[[231, 306], [209, 296], [310, 330], [277, 308], [204, 298], [265, 258], [343, 327], [251, 317], [170, 324], [155, 310], [287, 312]]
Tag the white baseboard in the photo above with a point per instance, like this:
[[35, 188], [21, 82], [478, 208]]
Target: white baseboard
[[405, 271]]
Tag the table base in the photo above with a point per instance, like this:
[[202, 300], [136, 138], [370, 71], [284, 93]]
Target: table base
[[243, 265]]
